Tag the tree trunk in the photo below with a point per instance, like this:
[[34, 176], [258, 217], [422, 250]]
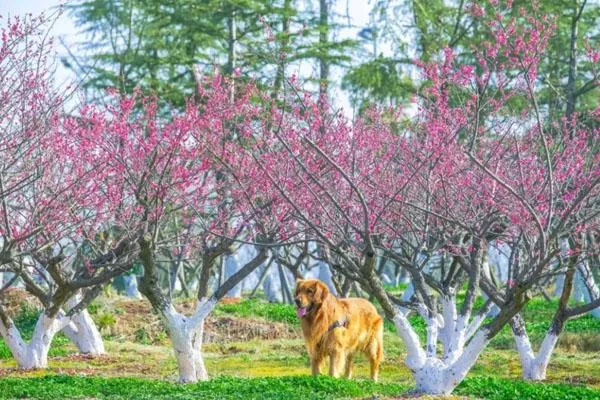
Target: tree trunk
[[231, 51], [272, 285], [34, 354], [323, 42], [591, 292], [285, 35], [231, 267], [131, 286], [286, 293], [83, 332], [533, 366], [407, 295], [186, 335], [326, 277], [435, 375], [262, 277], [572, 76]]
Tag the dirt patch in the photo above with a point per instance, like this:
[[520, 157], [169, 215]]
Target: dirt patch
[[230, 300], [14, 300], [136, 321], [227, 329]]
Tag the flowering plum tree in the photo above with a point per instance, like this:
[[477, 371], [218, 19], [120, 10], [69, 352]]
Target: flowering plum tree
[[44, 213], [477, 166], [159, 173]]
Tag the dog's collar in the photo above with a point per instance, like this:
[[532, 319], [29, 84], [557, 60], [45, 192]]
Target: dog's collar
[[340, 323]]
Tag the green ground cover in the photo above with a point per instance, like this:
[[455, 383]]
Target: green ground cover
[[279, 369]]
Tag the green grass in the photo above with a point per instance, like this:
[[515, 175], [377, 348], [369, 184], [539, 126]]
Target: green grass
[[289, 388], [278, 369], [500, 389], [246, 308], [300, 387]]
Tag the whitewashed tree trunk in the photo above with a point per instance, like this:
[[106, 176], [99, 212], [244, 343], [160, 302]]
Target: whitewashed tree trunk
[[326, 277], [406, 296], [83, 331], [591, 291], [186, 336], [272, 285], [131, 286], [436, 375], [35, 353], [534, 366], [231, 267]]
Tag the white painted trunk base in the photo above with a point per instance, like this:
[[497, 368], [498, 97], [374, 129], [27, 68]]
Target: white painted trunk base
[[34, 354], [186, 337], [83, 332], [534, 366], [432, 374], [591, 291], [131, 286], [189, 357], [438, 377]]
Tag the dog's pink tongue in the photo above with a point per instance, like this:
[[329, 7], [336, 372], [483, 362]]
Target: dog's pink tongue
[[301, 312]]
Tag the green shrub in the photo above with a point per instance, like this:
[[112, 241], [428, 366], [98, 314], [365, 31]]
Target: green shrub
[[26, 319], [106, 321], [93, 308], [142, 336]]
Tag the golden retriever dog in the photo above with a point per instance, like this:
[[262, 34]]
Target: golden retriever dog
[[338, 328]]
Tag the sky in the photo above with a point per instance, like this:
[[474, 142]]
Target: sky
[[66, 31]]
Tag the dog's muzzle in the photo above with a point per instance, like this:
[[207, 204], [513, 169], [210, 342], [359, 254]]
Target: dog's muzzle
[[303, 311]]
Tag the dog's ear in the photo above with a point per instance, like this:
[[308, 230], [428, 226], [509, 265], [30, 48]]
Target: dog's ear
[[299, 281], [321, 292]]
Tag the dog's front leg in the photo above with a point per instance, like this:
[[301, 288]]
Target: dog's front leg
[[337, 362], [316, 362]]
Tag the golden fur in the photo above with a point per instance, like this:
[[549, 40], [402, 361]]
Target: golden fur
[[318, 310]]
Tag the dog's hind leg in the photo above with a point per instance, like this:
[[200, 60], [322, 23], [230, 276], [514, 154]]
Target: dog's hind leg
[[348, 371], [375, 351]]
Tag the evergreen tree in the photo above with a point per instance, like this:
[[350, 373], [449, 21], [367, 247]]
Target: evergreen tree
[[163, 46], [421, 29]]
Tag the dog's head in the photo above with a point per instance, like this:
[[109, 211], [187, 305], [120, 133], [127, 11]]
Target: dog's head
[[310, 293]]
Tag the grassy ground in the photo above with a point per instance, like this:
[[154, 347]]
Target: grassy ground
[[138, 348]]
